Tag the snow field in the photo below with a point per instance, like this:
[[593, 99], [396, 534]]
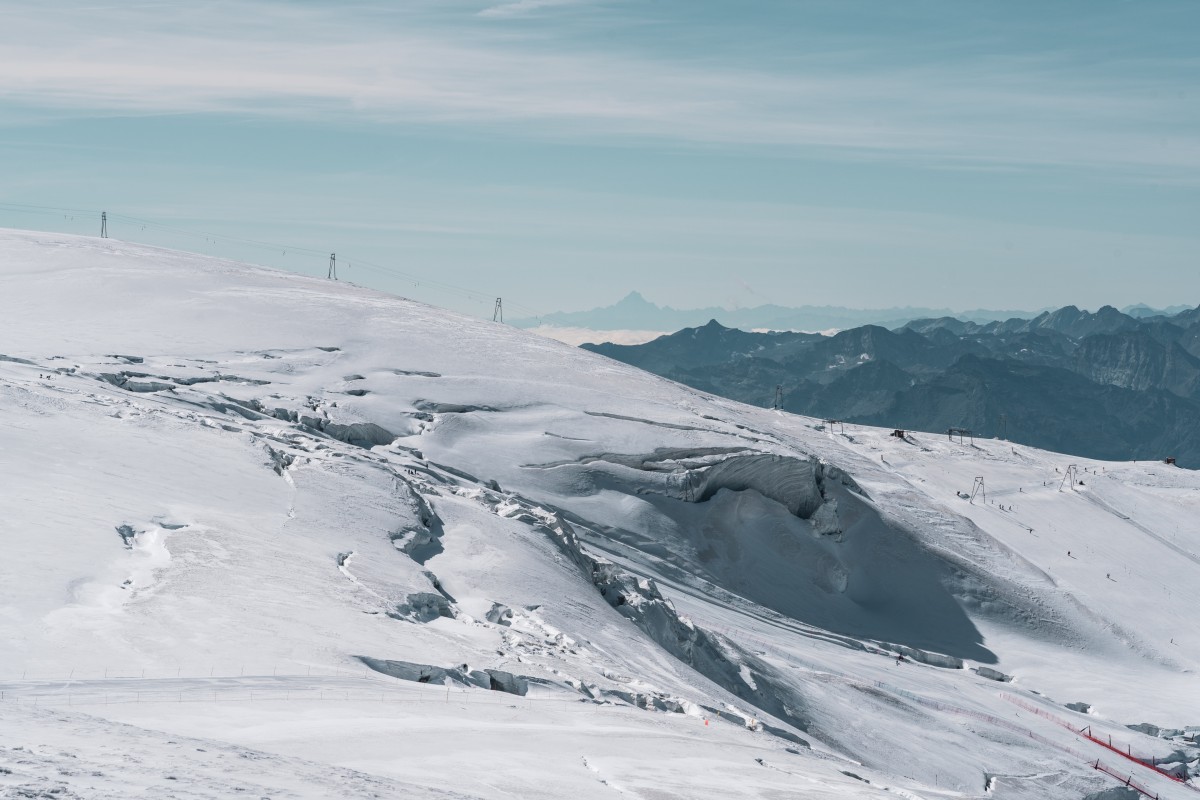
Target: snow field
[[241, 482]]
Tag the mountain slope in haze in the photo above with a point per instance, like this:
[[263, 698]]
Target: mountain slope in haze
[[268, 533], [634, 312], [1102, 385]]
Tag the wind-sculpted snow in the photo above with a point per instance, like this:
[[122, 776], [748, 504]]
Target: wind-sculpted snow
[[423, 607], [639, 600], [792, 534], [420, 541], [686, 589], [493, 679], [359, 434], [792, 482]]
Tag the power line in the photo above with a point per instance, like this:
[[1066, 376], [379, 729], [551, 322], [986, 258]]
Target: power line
[[417, 280], [53, 210], [214, 236]]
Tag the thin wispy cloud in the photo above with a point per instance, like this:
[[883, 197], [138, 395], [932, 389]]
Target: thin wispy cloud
[[523, 7], [425, 66]]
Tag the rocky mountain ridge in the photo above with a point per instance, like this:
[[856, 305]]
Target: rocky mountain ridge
[[1103, 384]]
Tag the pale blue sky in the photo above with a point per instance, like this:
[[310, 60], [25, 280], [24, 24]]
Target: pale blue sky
[[562, 152]]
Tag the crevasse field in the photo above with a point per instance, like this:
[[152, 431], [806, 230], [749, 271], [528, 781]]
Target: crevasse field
[[272, 536]]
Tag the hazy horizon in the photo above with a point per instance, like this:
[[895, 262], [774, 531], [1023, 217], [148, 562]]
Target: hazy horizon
[[547, 151]]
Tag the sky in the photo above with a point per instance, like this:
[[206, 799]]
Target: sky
[[561, 153]]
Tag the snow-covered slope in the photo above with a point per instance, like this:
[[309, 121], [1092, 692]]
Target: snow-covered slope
[[284, 534]]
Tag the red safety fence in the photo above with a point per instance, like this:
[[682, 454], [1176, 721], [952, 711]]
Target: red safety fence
[[1126, 780], [983, 717], [1149, 762]]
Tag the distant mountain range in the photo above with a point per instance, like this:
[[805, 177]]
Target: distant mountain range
[[634, 312], [1110, 384]]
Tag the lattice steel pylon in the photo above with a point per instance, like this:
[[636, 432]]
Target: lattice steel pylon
[[1072, 475], [962, 434]]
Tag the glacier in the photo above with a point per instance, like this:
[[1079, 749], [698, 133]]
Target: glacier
[[265, 533]]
